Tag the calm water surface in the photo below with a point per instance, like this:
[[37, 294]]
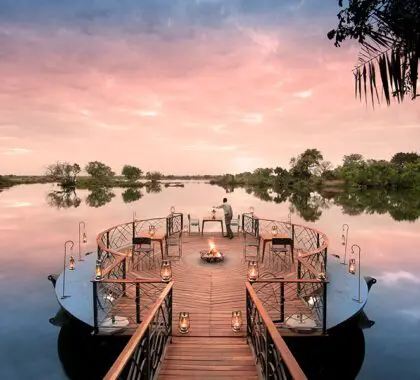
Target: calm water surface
[[32, 234]]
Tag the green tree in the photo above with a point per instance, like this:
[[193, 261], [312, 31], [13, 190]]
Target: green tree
[[388, 32], [305, 164], [154, 176], [401, 160], [99, 171], [64, 173], [132, 173]]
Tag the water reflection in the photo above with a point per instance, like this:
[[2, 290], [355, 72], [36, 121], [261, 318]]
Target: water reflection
[[153, 187], [84, 356], [131, 194], [63, 199], [99, 197]]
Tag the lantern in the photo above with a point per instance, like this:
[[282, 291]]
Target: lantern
[[236, 320], [172, 210], [166, 271], [352, 266], [98, 270], [274, 230], [213, 214], [184, 322], [251, 210], [71, 263], [84, 238], [152, 230], [322, 276], [252, 271]]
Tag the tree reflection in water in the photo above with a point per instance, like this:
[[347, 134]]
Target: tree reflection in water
[[63, 199], [99, 196], [153, 187], [131, 194]]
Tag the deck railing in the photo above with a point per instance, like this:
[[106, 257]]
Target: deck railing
[[143, 354], [272, 355]]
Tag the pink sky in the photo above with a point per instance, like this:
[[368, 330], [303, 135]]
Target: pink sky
[[188, 98]]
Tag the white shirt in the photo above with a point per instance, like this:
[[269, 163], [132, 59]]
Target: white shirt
[[227, 210]]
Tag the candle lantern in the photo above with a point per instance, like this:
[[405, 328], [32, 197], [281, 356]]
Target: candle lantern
[[98, 270], [84, 238], [71, 263], [251, 210], [213, 214], [166, 271], [274, 230], [252, 271], [184, 322], [236, 320], [152, 230], [172, 210], [352, 266]]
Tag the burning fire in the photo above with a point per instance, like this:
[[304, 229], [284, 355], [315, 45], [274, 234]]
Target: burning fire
[[213, 250]]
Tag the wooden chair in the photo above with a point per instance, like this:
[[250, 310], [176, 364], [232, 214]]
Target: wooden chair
[[280, 247], [142, 248], [193, 222], [174, 240]]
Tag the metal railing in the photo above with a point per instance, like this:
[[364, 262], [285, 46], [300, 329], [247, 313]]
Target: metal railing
[[143, 354], [273, 357]]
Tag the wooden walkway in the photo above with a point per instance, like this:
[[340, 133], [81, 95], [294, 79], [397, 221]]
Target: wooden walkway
[[208, 358]]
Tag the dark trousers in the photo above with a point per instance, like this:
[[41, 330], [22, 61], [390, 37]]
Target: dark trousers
[[228, 229]]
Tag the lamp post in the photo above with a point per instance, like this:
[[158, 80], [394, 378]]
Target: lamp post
[[84, 238], [344, 240], [64, 266], [352, 270]]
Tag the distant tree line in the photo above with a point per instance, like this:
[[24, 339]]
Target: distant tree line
[[310, 170]]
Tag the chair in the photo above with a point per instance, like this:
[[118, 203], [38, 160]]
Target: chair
[[236, 223], [280, 246], [193, 222], [143, 246], [174, 240], [252, 241]]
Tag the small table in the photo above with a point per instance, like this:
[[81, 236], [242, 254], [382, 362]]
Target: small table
[[217, 219], [158, 236], [268, 237]]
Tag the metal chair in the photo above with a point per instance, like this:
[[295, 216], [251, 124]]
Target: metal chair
[[236, 223], [144, 248], [281, 246], [193, 222], [174, 240], [252, 241]]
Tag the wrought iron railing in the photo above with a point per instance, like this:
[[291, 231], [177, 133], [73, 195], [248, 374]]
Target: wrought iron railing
[[250, 224], [175, 223], [143, 354], [273, 357]]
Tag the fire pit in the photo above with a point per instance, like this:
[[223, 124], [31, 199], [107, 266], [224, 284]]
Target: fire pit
[[212, 255]]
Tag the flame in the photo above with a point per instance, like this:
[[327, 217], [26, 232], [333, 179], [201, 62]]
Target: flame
[[212, 248]]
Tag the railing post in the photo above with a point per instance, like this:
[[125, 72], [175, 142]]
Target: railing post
[[267, 349], [98, 253], [170, 314], [124, 274], [95, 309], [134, 229], [137, 302], [281, 301], [324, 309], [248, 314], [107, 240]]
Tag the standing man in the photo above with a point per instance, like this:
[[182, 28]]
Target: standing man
[[228, 216]]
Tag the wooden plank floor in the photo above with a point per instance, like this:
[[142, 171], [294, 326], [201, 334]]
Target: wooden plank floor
[[208, 358]]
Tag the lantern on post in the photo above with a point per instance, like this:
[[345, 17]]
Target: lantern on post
[[236, 320], [352, 269], [172, 210], [84, 238], [184, 322], [98, 270], [252, 271], [71, 263], [166, 271]]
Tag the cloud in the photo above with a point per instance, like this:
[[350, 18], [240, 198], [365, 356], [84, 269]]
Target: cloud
[[205, 146], [392, 278], [303, 94], [14, 151], [253, 118], [148, 113]]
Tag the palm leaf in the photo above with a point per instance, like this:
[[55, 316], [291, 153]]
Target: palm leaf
[[384, 78], [371, 83], [364, 83]]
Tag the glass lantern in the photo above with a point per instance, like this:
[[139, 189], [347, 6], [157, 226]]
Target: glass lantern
[[251, 210], [352, 266], [213, 214], [84, 238], [172, 210], [252, 271], [236, 320], [98, 270], [184, 322], [71, 263], [152, 230], [166, 271], [274, 230]]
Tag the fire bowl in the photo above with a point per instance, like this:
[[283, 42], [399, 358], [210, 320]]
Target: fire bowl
[[211, 257]]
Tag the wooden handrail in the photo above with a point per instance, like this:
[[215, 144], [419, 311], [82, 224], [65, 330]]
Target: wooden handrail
[[293, 280], [118, 261], [137, 281], [287, 356], [118, 366], [314, 272]]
